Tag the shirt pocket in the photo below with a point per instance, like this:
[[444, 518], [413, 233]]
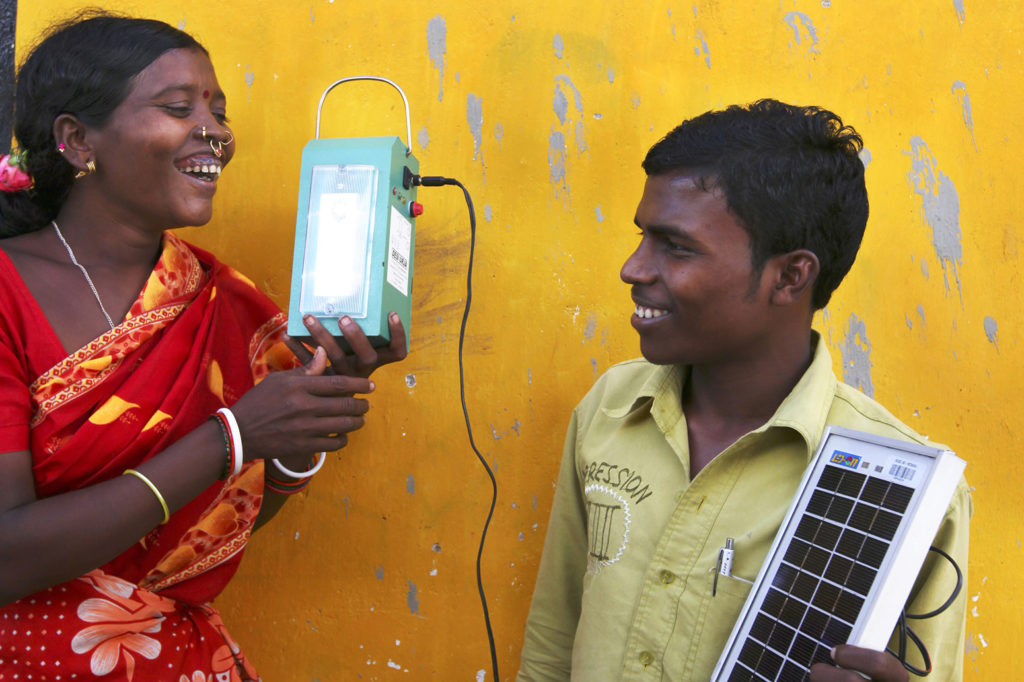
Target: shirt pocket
[[723, 610]]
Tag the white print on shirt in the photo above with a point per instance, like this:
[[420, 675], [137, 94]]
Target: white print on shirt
[[608, 520], [619, 478]]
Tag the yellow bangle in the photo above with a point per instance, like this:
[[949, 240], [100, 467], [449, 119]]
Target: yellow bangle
[[159, 497]]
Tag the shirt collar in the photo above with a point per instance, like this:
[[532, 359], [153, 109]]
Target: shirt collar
[[804, 410]]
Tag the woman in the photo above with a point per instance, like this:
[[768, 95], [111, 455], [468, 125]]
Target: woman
[[124, 507]]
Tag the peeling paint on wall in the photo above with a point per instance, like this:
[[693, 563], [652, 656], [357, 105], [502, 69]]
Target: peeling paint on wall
[[423, 138], [960, 90], [378, 571], [992, 331], [556, 160], [561, 107], [437, 46], [475, 117], [793, 18], [558, 45], [856, 350], [703, 48], [958, 5], [598, 214], [410, 485], [941, 209], [412, 599], [591, 329], [865, 156], [499, 132], [487, 212]]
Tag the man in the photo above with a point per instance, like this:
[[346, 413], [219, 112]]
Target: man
[[749, 219]]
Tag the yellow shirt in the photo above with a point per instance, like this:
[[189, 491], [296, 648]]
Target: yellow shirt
[[624, 590]]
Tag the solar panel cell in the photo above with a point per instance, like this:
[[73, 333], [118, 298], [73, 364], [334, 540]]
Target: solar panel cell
[[851, 483]]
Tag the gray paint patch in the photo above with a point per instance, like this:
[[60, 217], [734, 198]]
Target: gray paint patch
[[412, 600], [379, 572], [249, 76], [499, 132], [487, 212], [941, 205], [423, 138], [577, 98], [924, 268], [958, 5], [560, 104], [558, 45], [410, 380], [591, 328], [704, 48], [598, 214], [611, 75], [856, 350], [410, 485], [865, 156], [960, 90], [910, 324], [992, 331], [792, 18], [437, 46], [556, 158], [475, 117]]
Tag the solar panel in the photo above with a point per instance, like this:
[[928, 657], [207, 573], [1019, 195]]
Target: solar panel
[[845, 558]]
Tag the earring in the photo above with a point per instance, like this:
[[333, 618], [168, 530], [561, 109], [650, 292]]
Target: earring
[[90, 168], [61, 147]]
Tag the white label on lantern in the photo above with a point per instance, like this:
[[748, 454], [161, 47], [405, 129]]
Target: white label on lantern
[[399, 248]]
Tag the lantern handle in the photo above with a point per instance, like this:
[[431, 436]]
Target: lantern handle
[[408, 122]]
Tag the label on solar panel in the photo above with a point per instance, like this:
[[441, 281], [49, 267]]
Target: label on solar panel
[[845, 558]]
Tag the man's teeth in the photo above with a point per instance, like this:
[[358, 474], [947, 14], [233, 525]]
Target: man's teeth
[[646, 313]]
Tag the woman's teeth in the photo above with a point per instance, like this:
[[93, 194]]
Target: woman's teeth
[[647, 313]]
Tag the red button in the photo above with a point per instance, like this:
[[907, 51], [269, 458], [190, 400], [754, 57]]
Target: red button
[[415, 209]]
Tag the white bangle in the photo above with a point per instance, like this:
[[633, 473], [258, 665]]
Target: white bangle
[[236, 440], [306, 474]]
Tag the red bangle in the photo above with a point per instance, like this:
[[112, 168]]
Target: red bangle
[[282, 488]]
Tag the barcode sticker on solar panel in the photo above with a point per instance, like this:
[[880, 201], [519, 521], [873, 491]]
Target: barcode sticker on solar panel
[[845, 556]]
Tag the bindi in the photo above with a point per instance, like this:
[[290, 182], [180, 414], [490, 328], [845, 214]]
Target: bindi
[[206, 94]]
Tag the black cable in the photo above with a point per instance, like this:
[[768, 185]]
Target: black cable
[[437, 181], [906, 632]]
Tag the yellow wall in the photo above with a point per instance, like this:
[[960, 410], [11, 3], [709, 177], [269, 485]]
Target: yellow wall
[[544, 110]]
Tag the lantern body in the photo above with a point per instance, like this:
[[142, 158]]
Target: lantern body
[[354, 236]]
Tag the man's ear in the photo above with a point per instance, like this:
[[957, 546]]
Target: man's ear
[[71, 132], [795, 273]]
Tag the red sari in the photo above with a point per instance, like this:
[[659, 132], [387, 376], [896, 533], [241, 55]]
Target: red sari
[[197, 338]]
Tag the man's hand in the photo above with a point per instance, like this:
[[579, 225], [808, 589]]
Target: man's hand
[[876, 665]]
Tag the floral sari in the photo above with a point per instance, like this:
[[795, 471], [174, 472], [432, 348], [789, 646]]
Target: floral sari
[[198, 336]]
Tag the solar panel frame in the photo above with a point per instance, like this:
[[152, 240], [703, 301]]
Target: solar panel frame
[[887, 554]]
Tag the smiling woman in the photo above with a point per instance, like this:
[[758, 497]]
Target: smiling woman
[[138, 391]]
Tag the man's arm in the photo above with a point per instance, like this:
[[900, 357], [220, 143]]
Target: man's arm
[[555, 611]]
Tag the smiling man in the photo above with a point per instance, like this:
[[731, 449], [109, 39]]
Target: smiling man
[[750, 218]]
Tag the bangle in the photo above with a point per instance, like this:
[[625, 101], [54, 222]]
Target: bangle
[[282, 488], [229, 449], [156, 491], [305, 474], [236, 439]]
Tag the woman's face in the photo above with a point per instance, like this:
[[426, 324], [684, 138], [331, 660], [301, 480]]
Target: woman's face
[[154, 167]]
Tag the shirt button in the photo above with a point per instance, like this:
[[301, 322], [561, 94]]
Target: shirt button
[[668, 577], [646, 658]]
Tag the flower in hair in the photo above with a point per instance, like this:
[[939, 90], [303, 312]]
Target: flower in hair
[[13, 176]]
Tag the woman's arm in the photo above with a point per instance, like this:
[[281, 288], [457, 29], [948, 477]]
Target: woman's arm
[[44, 542]]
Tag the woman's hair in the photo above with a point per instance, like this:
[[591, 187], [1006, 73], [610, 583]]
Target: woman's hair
[[84, 67]]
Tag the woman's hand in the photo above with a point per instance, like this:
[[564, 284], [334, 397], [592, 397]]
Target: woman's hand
[[876, 665], [364, 358], [301, 411]]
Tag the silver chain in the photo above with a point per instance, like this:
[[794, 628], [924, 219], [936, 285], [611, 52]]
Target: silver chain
[[88, 279]]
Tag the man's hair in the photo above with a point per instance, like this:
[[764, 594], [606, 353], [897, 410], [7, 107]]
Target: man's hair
[[791, 175]]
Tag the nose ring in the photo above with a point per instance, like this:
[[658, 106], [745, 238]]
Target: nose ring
[[218, 148], [204, 132]]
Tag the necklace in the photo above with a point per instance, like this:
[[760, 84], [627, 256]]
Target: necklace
[[88, 279]]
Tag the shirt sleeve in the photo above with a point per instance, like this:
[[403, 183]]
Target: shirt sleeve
[[943, 635], [557, 597]]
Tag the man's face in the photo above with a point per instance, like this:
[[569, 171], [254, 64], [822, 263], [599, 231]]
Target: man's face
[[696, 299]]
